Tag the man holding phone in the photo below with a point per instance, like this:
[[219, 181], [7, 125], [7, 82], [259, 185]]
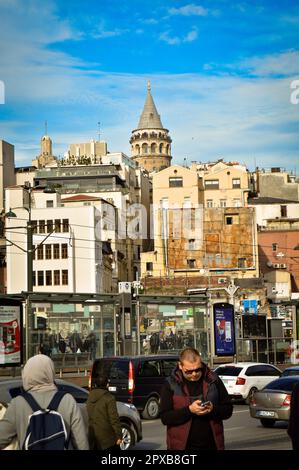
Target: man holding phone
[[194, 402]]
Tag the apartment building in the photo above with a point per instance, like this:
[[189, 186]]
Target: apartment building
[[192, 240], [223, 184], [70, 251]]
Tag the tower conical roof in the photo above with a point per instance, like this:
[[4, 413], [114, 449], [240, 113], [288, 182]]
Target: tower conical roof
[[149, 118]]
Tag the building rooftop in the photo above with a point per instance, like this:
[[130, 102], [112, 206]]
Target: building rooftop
[[149, 118]]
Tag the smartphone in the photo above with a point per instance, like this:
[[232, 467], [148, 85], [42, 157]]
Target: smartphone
[[205, 403]]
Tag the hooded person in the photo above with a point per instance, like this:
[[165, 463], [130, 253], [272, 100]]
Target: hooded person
[[105, 432], [38, 378]]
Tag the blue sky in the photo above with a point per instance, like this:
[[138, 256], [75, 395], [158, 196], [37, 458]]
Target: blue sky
[[220, 71]]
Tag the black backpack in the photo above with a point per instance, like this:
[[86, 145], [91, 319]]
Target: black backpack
[[46, 429]]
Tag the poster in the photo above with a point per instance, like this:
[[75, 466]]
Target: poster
[[224, 329], [10, 332]]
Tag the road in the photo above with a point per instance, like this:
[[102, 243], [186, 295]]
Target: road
[[241, 433]]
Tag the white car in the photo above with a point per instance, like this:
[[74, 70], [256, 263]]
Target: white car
[[243, 379]]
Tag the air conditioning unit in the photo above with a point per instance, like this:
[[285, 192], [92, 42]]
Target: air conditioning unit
[[276, 265], [283, 265], [222, 280], [149, 273]]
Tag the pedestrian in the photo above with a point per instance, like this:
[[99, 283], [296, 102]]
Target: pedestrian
[[191, 426], [104, 428], [38, 378], [293, 428]]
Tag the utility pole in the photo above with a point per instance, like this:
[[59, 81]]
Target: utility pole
[[136, 293]]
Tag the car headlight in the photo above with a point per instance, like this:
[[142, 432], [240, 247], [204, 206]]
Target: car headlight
[[132, 407]]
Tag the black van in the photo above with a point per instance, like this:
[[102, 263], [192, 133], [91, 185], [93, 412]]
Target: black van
[[136, 379]]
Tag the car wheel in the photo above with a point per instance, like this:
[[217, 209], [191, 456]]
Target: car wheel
[[128, 437], [267, 423], [250, 395], [152, 409]]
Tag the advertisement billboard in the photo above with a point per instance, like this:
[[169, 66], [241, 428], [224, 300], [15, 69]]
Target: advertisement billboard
[[11, 322], [224, 329]]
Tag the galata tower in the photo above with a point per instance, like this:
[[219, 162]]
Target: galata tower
[[151, 142]]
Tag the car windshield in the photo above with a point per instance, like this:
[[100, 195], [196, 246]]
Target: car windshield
[[229, 371], [114, 369], [290, 372], [285, 385]]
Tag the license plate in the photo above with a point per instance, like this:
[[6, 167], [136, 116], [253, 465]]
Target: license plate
[[112, 389], [265, 413]]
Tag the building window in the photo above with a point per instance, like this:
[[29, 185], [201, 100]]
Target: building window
[[34, 278], [49, 226], [56, 278], [57, 225], [64, 251], [149, 266], [65, 277], [34, 226], [50, 203], [40, 278], [56, 251], [241, 263], [65, 225], [211, 184], [48, 249], [237, 203], [274, 246], [40, 252], [41, 226], [176, 182], [209, 203], [283, 211], [191, 263], [86, 203], [48, 278], [222, 202], [236, 183], [232, 219], [191, 244]]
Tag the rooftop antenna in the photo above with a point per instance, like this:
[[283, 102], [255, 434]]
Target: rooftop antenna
[[149, 85], [46, 128], [185, 162], [99, 130]]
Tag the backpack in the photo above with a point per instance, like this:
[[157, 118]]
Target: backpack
[[46, 429]]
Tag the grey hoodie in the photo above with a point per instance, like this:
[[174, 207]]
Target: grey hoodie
[[38, 379]]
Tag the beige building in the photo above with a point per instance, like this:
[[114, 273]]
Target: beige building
[[46, 157], [192, 240], [90, 151], [224, 184], [151, 142]]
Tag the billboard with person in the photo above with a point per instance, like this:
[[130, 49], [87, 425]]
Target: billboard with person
[[11, 321], [224, 329]]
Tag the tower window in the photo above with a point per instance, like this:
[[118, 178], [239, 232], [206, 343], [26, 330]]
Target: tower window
[[144, 148]]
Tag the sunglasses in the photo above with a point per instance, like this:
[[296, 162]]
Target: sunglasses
[[190, 371]]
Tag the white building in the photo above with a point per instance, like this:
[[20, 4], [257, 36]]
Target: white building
[[70, 254]]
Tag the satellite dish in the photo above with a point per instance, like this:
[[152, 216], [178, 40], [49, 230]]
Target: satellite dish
[[269, 264]]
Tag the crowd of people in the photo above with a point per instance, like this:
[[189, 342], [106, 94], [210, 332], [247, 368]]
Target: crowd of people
[[52, 343], [194, 404]]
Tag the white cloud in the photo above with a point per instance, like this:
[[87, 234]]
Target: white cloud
[[191, 36], [171, 40], [189, 10], [175, 40], [284, 64], [235, 117]]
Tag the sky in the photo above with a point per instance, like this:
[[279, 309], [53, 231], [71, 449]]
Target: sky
[[224, 76]]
